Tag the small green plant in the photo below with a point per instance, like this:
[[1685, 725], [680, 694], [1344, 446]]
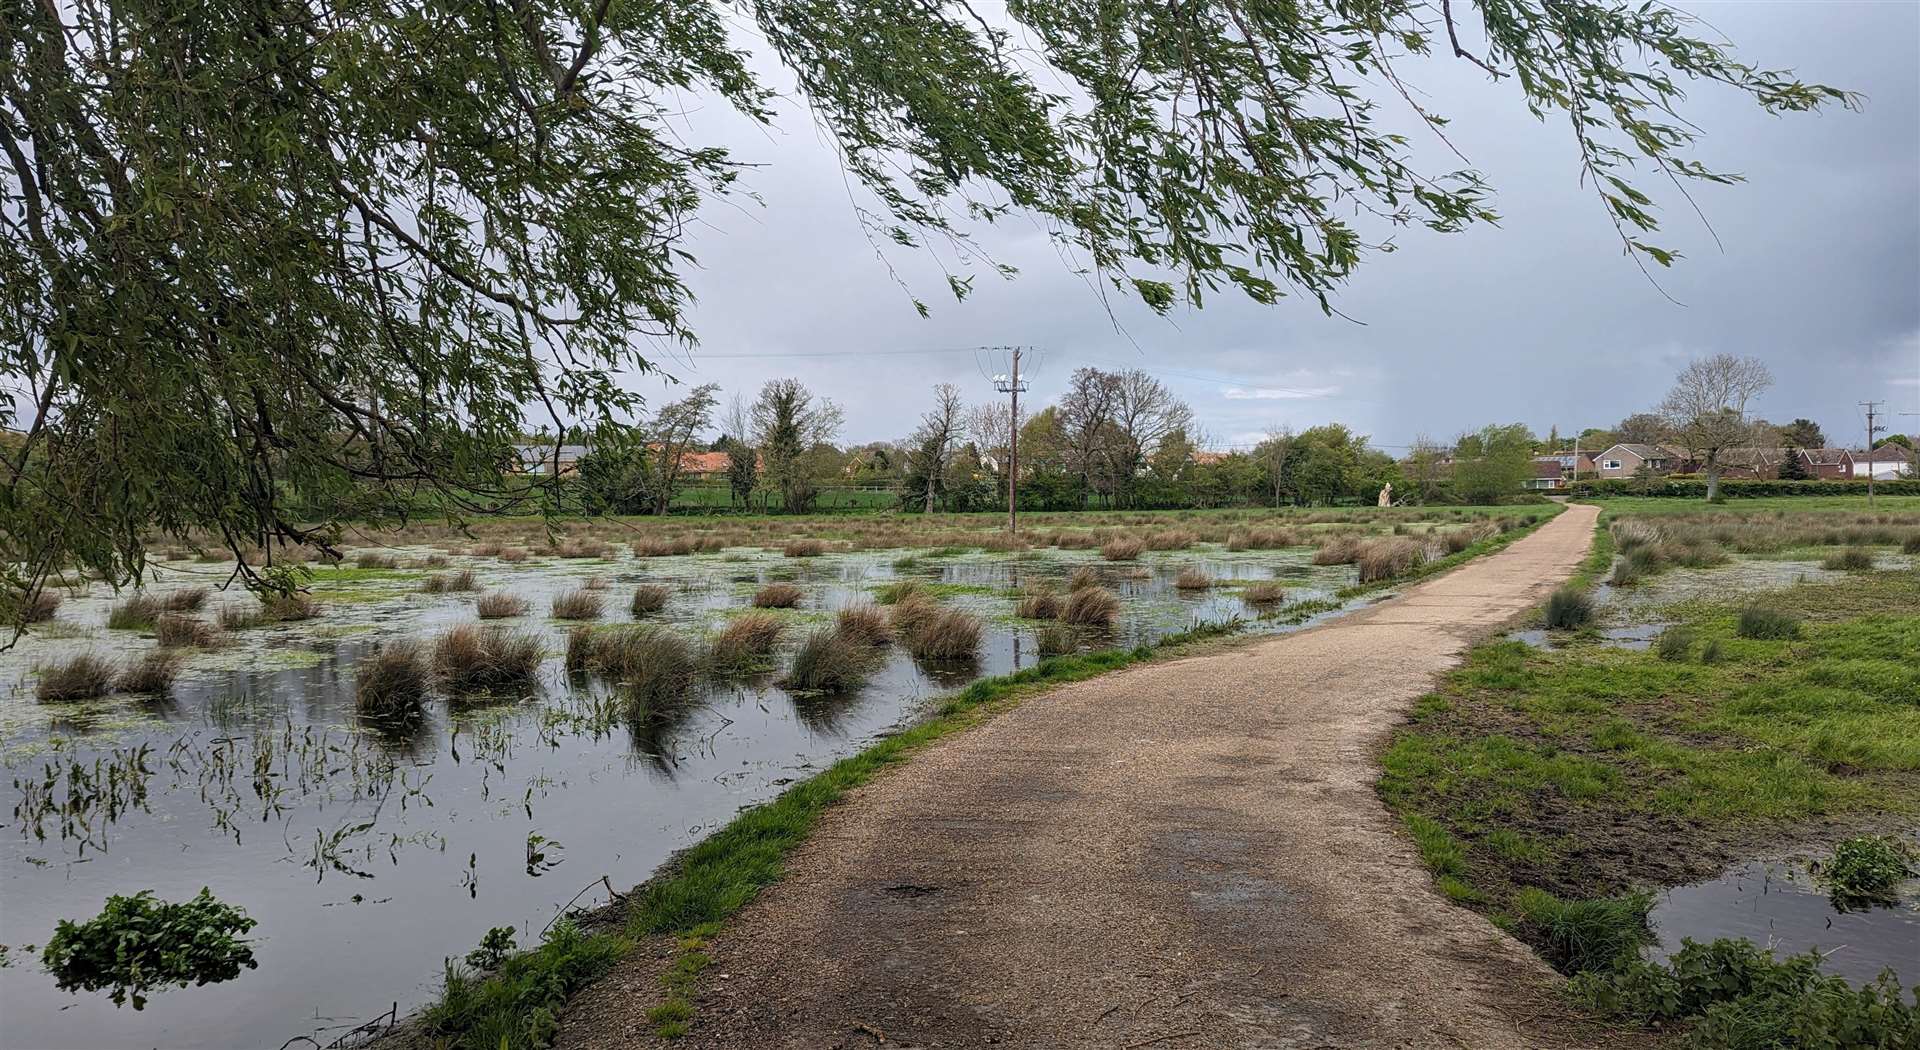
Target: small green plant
[[1569, 609], [1768, 624], [1579, 935], [1675, 643], [137, 944], [1711, 653], [1864, 871], [494, 949]]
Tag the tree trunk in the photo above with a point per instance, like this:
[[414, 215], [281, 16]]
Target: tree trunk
[[1713, 476]]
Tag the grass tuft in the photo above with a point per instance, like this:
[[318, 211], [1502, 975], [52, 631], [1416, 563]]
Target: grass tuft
[[499, 605], [472, 659], [578, 604], [1091, 607], [83, 677], [863, 623], [778, 596], [747, 642], [392, 682], [649, 598], [152, 673], [829, 662], [1767, 623], [1569, 608]]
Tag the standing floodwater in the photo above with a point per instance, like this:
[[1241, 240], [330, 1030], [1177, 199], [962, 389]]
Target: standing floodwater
[[367, 857]]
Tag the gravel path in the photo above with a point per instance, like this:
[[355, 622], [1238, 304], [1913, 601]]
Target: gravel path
[[1186, 854]]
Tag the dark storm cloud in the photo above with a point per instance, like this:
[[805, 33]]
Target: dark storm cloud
[[1540, 320]]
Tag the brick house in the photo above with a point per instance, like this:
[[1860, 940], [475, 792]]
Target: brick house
[[1624, 460], [1827, 464]]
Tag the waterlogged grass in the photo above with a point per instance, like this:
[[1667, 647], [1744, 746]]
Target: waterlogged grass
[[1546, 787], [515, 1007]]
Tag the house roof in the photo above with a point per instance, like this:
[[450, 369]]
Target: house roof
[[1204, 458], [1546, 467], [703, 462], [1642, 451], [1887, 453], [539, 454], [1752, 456], [1826, 457]]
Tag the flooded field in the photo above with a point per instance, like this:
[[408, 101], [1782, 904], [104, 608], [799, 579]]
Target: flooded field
[[370, 855]]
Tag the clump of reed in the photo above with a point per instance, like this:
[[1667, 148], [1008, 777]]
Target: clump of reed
[[135, 614], [947, 634], [447, 582], [153, 672], [485, 550], [1002, 541], [435, 561], [1387, 558], [1675, 643], [82, 677], [234, 616], [1083, 577], [899, 590], [1055, 640], [1457, 540], [778, 596], [41, 607], [1091, 607], [1341, 548], [1767, 623], [471, 658], [514, 554], [1568, 608], [649, 598], [499, 605], [746, 643], [656, 667], [392, 682], [662, 546], [288, 608], [180, 631], [911, 612], [1266, 592], [827, 661], [863, 623], [1192, 578], [374, 560], [186, 599], [1853, 559], [1170, 540], [1041, 602], [584, 548], [1262, 540], [804, 548], [1124, 548], [580, 604]]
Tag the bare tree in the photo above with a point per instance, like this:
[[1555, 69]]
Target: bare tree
[[1426, 465], [1707, 408], [671, 436], [934, 441], [1643, 428], [1272, 453], [1086, 419], [1145, 413]]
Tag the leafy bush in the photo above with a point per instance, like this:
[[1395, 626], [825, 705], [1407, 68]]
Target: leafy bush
[[1761, 622], [1865, 870], [137, 944], [517, 1007], [495, 948], [1736, 996], [1569, 608]]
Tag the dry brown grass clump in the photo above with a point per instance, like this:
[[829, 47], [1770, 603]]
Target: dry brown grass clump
[[1091, 607], [864, 623], [746, 643], [1125, 548], [912, 612], [234, 616], [1341, 548], [287, 608], [499, 605], [649, 598], [485, 550], [83, 677], [1083, 577], [154, 672], [471, 658], [514, 554], [1262, 540], [177, 631], [135, 614], [374, 560], [1387, 557], [804, 548], [577, 605], [42, 606], [948, 634], [1055, 640], [662, 546], [1171, 540], [829, 662], [1039, 605], [1002, 541], [1193, 578], [1264, 593], [445, 582], [584, 548], [777, 596], [391, 683], [186, 599]]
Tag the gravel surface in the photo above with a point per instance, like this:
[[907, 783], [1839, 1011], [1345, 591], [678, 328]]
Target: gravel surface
[[1185, 854]]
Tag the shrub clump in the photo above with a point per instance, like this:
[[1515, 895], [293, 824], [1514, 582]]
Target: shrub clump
[[829, 662], [948, 634], [152, 673], [499, 605], [649, 598], [391, 683], [135, 614], [83, 677], [1767, 624], [1569, 608], [777, 596], [1124, 548], [137, 944], [470, 658], [179, 631], [746, 643], [1192, 578], [1865, 870], [1091, 607], [578, 604], [804, 548]]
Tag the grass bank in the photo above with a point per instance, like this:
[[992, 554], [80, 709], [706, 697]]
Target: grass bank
[[1548, 789]]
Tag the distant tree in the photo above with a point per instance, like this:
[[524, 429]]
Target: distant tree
[[1086, 414], [1642, 428], [940, 429], [1804, 433], [614, 477], [1324, 464], [1493, 464], [1271, 454], [1707, 408], [1792, 467], [673, 434], [789, 423], [743, 471], [1145, 413], [1897, 439], [1426, 468]]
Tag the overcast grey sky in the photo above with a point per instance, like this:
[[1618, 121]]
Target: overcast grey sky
[[1540, 320]]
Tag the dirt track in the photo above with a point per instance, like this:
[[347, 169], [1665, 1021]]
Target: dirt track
[[1187, 854]]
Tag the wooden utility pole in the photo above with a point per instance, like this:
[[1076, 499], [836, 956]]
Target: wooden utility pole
[[1011, 385], [1872, 407]]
